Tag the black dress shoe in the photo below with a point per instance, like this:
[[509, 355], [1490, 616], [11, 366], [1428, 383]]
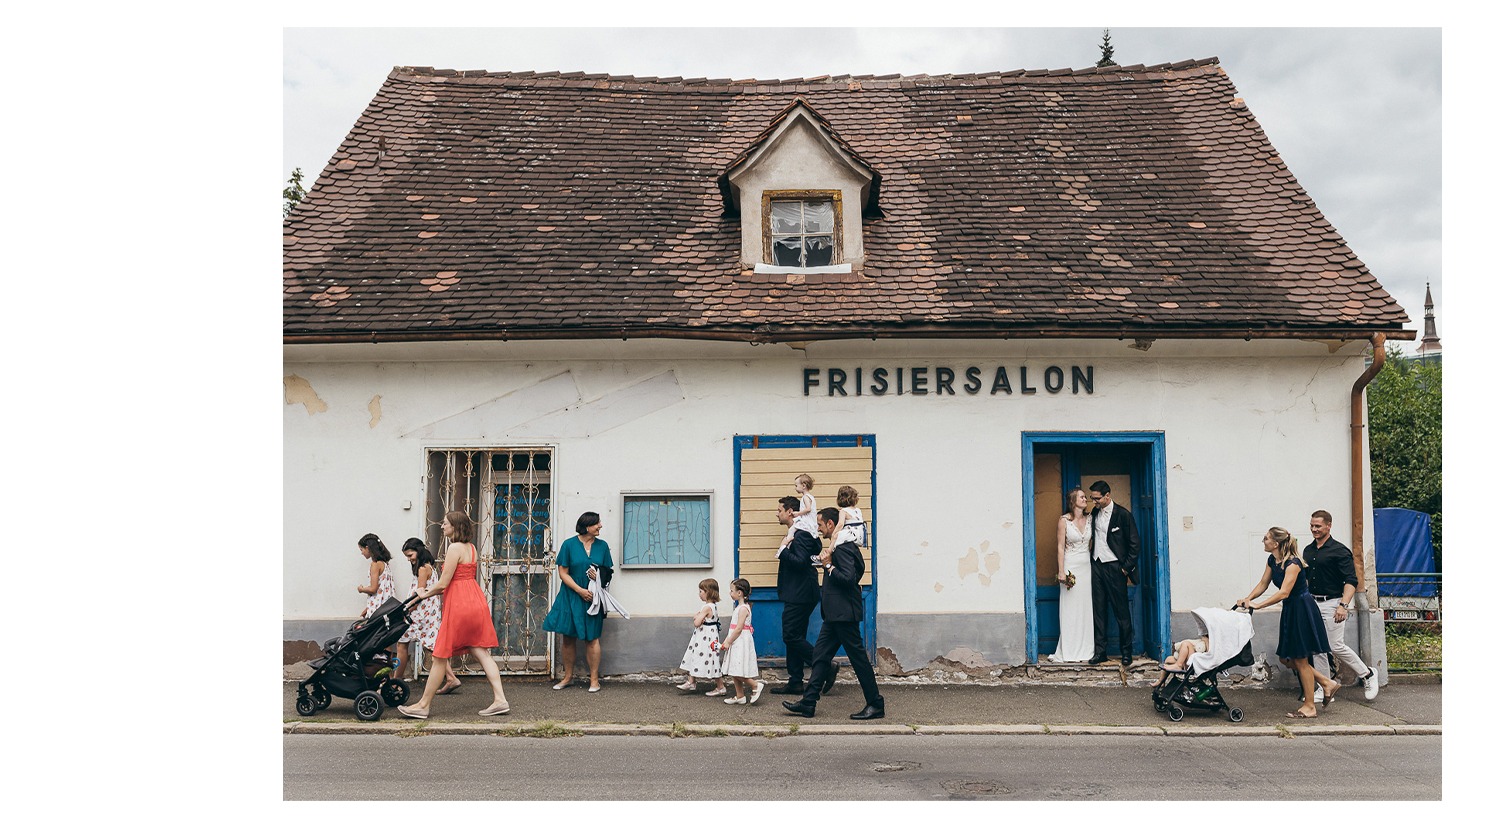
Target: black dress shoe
[[800, 708], [789, 688], [1125, 661], [869, 713], [833, 675], [1098, 659]]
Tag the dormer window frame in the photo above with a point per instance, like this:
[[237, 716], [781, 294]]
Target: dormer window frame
[[836, 196]]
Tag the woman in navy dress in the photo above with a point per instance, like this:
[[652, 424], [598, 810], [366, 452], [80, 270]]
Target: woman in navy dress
[[578, 562], [1302, 632]]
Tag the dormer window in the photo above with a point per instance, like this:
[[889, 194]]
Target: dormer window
[[804, 230], [801, 194]]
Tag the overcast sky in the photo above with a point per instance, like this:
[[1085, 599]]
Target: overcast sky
[[1355, 113]]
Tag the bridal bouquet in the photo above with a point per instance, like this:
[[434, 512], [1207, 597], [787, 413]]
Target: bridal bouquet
[[1069, 581]]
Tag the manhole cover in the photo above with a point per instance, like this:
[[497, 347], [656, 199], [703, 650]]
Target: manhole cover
[[897, 766], [974, 788]]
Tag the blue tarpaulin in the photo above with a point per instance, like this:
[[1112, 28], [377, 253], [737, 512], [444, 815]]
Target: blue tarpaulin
[[1403, 545]]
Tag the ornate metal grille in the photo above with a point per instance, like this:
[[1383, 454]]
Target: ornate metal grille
[[508, 494]]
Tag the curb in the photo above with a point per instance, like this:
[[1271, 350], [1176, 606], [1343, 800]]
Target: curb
[[547, 729]]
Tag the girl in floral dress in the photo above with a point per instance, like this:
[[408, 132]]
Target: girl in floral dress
[[739, 647], [426, 615], [701, 660], [382, 585]]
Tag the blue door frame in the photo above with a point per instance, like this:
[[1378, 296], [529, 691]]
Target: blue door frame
[[1156, 612], [770, 649]]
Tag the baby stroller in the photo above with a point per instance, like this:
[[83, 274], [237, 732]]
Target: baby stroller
[[1197, 687], [358, 667]]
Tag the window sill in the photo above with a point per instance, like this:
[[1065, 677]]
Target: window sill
[[763, 268]]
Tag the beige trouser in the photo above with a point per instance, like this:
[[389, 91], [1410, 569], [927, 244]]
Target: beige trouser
[[1347, 657]]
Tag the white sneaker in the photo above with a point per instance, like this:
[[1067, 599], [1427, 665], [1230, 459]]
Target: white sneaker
[[1318, 694], [1372, 684]]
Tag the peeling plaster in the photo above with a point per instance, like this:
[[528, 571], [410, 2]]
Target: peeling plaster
[[937, 588], [968, 563], [375, 411], [300, 390]]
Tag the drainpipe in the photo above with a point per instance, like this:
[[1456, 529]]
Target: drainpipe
[[1369, 620]]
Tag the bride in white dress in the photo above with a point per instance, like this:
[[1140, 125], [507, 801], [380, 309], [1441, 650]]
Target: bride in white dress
[[1075, 606]]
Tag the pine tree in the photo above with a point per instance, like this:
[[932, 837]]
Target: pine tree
[[293, 194], [1106, 53]]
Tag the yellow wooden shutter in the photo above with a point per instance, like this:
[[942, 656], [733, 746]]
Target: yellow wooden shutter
[[766, 475]]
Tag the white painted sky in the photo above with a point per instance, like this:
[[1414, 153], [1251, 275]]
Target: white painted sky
[[1356, 113]]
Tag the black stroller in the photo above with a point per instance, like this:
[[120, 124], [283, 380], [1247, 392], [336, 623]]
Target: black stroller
[[358, 667], [1197, 688]]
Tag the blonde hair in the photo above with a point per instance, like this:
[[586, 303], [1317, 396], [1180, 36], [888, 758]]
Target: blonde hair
[[805, 479], [1284, 543], [848, 496], [711, 588], [1068, 499]]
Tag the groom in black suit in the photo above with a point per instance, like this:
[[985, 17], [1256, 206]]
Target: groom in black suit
[[797, 589], [843, 609], [1114, 546]]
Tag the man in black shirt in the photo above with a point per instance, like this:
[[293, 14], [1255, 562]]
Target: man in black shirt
[[1331, 581]]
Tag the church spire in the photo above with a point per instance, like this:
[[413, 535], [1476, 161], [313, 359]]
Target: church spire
[[1430, 342]]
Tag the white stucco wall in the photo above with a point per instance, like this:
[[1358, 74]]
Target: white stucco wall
[[1256, 435]]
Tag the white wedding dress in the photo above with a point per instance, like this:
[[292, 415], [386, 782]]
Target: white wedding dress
[[1075, 606]]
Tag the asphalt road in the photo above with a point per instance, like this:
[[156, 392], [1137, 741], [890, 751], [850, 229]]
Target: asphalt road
[[862, 767]]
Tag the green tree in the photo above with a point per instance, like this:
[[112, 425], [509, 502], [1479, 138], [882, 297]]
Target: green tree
[[1406, 439], [1106, 53], [293, 194]]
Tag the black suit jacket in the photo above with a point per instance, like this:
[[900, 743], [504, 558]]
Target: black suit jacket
[[796, 576], [1123, 540], [842, 598]]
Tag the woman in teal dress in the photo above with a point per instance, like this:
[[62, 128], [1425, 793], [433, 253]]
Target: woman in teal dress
[[577, 562]]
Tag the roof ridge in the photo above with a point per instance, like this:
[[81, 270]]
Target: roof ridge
[[822, 79]]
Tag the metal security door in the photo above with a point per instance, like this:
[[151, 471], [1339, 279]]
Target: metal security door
[[508, 494], [521, 576]]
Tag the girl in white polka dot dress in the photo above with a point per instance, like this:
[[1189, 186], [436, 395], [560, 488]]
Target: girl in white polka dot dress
[[701, 661]]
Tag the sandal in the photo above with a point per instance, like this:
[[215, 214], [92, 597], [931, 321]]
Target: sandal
[[1298, 715], [1328, 694]]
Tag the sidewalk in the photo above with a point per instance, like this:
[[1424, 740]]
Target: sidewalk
[[633, 706]]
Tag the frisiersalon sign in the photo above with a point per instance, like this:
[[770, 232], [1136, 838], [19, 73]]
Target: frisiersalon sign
[[944, 381]]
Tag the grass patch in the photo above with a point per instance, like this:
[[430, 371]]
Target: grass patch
[[545, 730], [1414, 646]]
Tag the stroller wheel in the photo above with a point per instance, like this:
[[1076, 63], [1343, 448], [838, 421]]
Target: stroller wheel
[[1235, 715], [321, 696], [367, 706], [306, 705], [394, 692], [1174, 714]]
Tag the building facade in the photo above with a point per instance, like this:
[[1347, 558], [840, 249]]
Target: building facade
[[662, 299]]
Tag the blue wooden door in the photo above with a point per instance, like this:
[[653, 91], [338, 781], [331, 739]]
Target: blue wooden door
[[765, 466]]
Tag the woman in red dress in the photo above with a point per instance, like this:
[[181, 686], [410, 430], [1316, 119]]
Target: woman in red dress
[[466, 623]]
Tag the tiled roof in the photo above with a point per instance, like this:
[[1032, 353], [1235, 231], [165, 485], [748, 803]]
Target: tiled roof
[[1131, 200]]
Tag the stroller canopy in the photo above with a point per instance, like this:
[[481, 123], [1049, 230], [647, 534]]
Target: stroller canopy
[[1228, 633]]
